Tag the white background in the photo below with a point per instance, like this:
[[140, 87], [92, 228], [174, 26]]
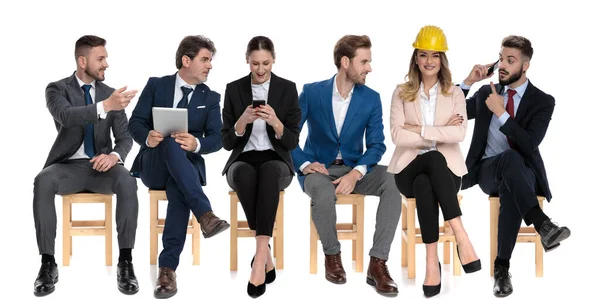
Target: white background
[[38, 38]]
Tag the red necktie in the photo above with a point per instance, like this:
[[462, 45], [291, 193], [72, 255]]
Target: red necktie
[[510, 108]]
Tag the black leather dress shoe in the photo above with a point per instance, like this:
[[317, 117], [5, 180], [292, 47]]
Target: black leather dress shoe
[[502, 284], [126, 279], [47, 277], [551, 235]]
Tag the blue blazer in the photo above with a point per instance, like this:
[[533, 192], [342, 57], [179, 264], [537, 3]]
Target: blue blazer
[[363, 121], [204, 119]]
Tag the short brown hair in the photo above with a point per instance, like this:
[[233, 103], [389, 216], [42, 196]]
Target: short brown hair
[[519, 42], [190, 46], [347, 46], [85, 43]]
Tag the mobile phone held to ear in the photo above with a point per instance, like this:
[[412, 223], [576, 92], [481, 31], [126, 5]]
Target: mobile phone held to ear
[[256, 103], [493, 68]]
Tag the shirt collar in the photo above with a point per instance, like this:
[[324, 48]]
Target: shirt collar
[[81, 83], [180, 82], [336, 91], [520, 89]]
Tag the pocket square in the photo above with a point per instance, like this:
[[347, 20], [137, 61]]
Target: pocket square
[[200, 107]]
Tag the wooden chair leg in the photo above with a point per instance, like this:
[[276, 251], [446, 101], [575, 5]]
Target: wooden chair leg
[[360, 234], [108, 230], [457, 265], [278, 242], [66, 232], [411, 239], [313, 246], [233, 233], [153, 228], [196, 240], [354, 209], [494, 210], [403, 239]]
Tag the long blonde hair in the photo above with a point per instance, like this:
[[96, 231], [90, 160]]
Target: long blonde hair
[[410, 89]]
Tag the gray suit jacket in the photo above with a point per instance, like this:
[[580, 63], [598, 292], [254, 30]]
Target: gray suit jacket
[[66, 103]]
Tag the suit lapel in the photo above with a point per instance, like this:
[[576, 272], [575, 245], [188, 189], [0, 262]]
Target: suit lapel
[[78, 99], [245, 90], [440, 105], [326, 96], [197, 99], [102, 92], [525, 102], [417, 105], [170, 90], [355, 104], [275, 92]]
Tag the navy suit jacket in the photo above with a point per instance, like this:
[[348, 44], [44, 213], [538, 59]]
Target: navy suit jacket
[[204, 119], [526, 130], [363, 122]]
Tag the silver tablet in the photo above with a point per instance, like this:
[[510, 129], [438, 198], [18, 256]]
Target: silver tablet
[[170, 120]]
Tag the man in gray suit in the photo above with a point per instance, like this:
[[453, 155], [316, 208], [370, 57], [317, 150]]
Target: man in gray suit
[[83, 159]]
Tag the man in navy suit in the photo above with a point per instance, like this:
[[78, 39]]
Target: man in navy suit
[[174, 162], [511, 120], [340, 113]]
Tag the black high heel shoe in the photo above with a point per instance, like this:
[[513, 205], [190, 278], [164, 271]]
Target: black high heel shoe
[[269, 275], [256, 291], [471, 267], [430, 291]]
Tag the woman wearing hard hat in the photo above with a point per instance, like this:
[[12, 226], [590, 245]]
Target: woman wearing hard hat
[[428, 120]]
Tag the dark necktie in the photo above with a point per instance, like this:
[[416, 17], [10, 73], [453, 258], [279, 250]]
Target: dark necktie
[[88, 136], [510, 108], [183, 103]]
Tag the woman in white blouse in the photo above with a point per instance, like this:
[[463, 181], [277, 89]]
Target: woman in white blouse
[[261, 119], [428, 120]]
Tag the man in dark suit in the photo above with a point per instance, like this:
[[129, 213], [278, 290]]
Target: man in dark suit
[[340, 113], [174, 162], [83, 159], [511, 119]]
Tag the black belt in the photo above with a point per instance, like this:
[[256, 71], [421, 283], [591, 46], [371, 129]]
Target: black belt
[[338, 162]]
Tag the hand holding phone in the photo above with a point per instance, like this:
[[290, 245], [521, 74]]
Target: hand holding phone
[[493, 68], [257, 103]]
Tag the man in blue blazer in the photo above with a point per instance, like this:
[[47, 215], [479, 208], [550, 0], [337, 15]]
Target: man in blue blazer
[[174, 162], [340, 113]]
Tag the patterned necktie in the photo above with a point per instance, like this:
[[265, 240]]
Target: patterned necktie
[[88, 136], [183, 103], [510, 108]]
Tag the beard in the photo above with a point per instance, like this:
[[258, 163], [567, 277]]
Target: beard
[[96, 75], [355, 76], [512, 78]]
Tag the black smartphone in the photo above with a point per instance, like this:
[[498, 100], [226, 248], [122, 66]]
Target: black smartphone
[[256, 103], [493, 68]]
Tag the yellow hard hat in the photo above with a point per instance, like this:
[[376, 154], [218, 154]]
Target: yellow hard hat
[[431, 38]]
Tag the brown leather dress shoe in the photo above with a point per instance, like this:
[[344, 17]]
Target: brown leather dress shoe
[[334, 271], [379, 277], [211, 224], [166, 284]]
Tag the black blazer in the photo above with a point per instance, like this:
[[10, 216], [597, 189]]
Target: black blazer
[[282, 96], [526, 130]]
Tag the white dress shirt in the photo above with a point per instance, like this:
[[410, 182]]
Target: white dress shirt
[[340, 109], [80, 153], [259, 140], [428, 106]]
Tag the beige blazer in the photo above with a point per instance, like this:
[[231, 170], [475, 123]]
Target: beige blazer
[[446, 137]]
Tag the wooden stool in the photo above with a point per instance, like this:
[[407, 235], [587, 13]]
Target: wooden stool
[[157, 226], [526, 235], [345, 231], [240, 229], [412, 236], [86, 227]]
